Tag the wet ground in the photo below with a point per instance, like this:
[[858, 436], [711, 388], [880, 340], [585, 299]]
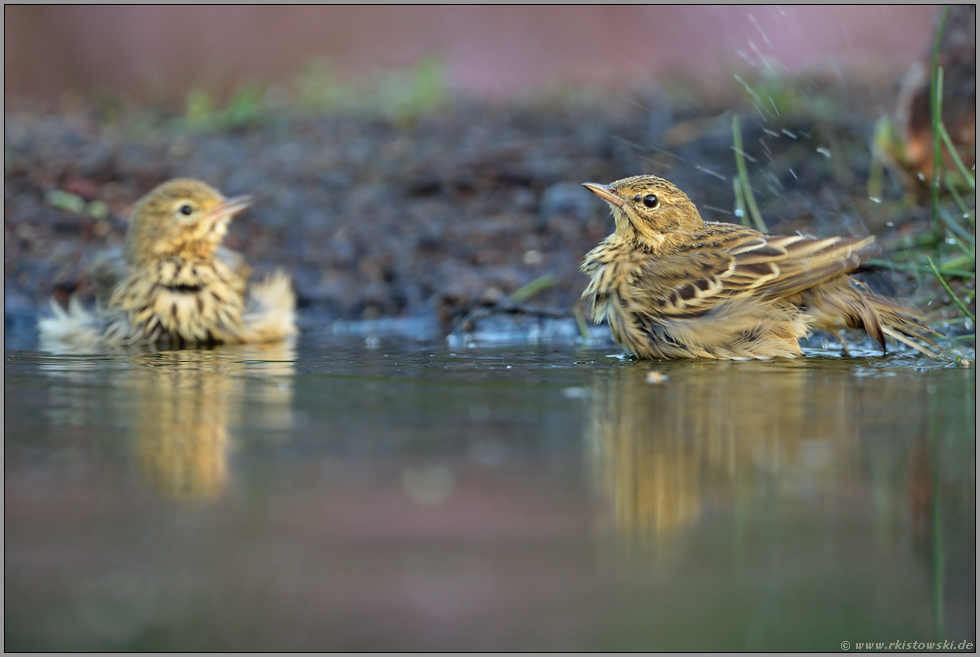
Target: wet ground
[[431, 211], [369, 492]]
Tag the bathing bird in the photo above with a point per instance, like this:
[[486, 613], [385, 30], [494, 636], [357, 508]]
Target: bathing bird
[[173, 285], [672, 285]]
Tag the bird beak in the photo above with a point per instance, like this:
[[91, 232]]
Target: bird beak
[[605, 192], [229, 208]]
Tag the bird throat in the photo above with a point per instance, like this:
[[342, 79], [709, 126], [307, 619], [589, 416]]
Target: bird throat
[[648, 240]]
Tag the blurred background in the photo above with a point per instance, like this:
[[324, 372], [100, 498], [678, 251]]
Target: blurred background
[[487, 50], [462, 134]]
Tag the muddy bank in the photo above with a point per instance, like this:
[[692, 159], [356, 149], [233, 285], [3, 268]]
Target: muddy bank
[[437, 214]]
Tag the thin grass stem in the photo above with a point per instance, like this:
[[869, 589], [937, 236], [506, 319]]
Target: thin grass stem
[[533, 288], [583, 327], [959, 202], [900, 266], [955, 227], [937, 111], [956, 300], [970, 179], [936, 107], [743, 175], [740, 211]]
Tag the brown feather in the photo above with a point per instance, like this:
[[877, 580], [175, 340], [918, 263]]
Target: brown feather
[[174, 285], [674, 286]]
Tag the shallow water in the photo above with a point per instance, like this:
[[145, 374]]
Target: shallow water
[[384, 494]]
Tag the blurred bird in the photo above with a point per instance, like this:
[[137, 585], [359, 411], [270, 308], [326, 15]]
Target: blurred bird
[[674, 286], [173, 285]]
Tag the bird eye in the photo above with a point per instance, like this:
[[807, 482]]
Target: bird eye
[[650, 201], [186, 210]]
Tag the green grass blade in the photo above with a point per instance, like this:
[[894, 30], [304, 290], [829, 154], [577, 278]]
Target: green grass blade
[[970, 180], [967, 214], [740, 211], [955, 227], [936, 107], [583, 327], [966, 311], [937, 111], [743, 175], [946, 270], [533, 288], [961, 261]]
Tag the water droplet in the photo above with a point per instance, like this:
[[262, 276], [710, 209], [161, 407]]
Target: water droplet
[[576, 393], [739, 213], [747, 88], [823, 151], [890, 224], [533, 257], [875, 199], [761, 32], [920, 176], [950, 240], [427, 485], [710, 172]]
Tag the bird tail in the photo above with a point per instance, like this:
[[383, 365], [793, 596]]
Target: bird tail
[[70, 330], [899, 322], [847, 303], [271, 312]]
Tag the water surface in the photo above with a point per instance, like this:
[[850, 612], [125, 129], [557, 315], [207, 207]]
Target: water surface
[[385, 494]]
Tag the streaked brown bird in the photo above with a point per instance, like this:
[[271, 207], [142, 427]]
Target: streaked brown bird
[[173, 285], [672, 285]]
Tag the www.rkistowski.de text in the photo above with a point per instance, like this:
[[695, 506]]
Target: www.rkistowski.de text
[[908, 645]]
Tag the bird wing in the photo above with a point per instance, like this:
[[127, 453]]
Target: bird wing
[[108, 269], [730, 262], [801, 262], [234, 260]]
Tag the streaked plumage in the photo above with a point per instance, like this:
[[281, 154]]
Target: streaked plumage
[[671, 285], [173, 285]]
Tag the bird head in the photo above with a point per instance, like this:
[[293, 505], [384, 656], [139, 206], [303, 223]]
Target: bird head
[[181, 217], [647, 209]]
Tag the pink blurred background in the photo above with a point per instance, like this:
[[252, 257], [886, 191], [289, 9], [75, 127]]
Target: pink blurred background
[[166, 50]]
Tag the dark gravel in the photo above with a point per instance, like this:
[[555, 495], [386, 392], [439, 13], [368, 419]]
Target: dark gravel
[[436, 216]]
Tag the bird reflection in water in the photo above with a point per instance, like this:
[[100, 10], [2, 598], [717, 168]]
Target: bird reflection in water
[[671, 445], [182, 405]]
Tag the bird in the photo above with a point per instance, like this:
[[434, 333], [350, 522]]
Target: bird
[[173, 285], [671, 285]]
